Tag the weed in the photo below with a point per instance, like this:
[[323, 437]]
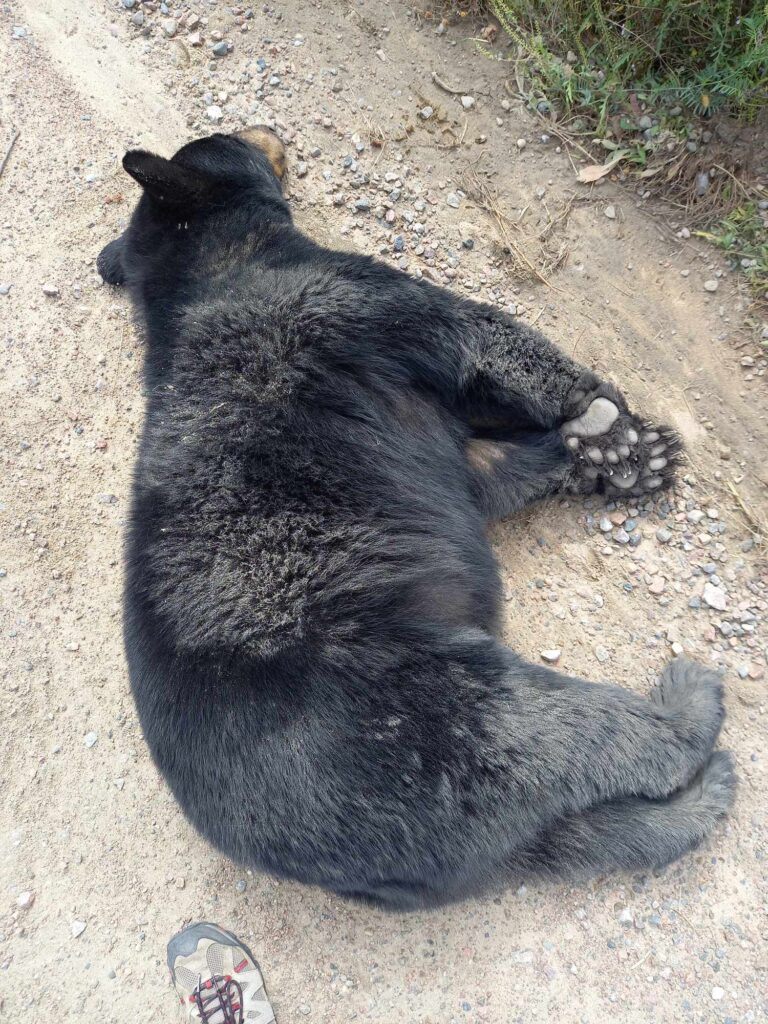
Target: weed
[[743, 235]]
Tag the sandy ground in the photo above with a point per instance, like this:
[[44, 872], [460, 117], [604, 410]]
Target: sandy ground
[[97, 866]]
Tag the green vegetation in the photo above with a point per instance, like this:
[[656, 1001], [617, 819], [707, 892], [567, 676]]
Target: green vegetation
[[600, 58], [743, 234]]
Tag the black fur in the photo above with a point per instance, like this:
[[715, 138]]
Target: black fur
[[310, 596]]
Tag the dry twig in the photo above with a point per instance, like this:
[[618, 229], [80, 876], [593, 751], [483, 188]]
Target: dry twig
[[8, 152]]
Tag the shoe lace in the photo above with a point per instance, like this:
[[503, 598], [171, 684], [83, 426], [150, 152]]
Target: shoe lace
[[219, 994]]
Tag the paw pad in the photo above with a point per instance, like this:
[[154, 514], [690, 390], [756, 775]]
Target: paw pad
[[630, 456]]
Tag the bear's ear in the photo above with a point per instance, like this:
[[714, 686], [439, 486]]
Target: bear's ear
[[167, 182]]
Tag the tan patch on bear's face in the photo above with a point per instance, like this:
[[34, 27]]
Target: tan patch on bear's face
[[483, 455], [269, 144]]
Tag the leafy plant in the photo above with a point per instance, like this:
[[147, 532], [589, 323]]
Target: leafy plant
[[743, 235], [696, 55]]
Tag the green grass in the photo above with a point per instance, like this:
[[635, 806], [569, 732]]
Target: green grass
[[743, 235], [689, 57]]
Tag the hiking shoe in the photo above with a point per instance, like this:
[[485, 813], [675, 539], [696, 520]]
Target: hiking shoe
[[217, 978]]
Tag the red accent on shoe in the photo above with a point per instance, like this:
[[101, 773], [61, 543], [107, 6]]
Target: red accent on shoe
[[241, 966]]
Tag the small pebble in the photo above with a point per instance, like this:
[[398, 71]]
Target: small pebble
[[521, 143], [25, 900], [610, 212], [711, 285], [718, 993], [220, 49], [552, 655], [467, 102], [51, 290], [77, 928], [663, 535], [714, 597], [90, 739]]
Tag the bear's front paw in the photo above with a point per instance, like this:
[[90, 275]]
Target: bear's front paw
[[629, 455]]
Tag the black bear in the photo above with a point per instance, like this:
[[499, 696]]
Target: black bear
[[311, 601]]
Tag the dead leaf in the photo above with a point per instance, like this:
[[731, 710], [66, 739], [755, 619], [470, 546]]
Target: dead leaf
[[594, 172]]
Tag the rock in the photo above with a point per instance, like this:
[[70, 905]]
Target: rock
[[241, 885], [453, 200], [601, 653], [714, 597], [25, 900], [77, 928], [169, 27], [621, 536], [552, 655], [506, 105], [51, 290], [610, 212], [657, 585], [5, 288], [606, 525], [644, 123], [220, 49], [215, 113], [468, 102], [626, 917], [426, 112], [195, 39], [711, 285], [362, 204], [521, 143], [90, 739], [695, 516], [129, 4], [111, 973], [718, 993], [663, 535], [301, 169]]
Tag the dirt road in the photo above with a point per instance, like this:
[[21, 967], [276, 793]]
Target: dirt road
[[97, 866]]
